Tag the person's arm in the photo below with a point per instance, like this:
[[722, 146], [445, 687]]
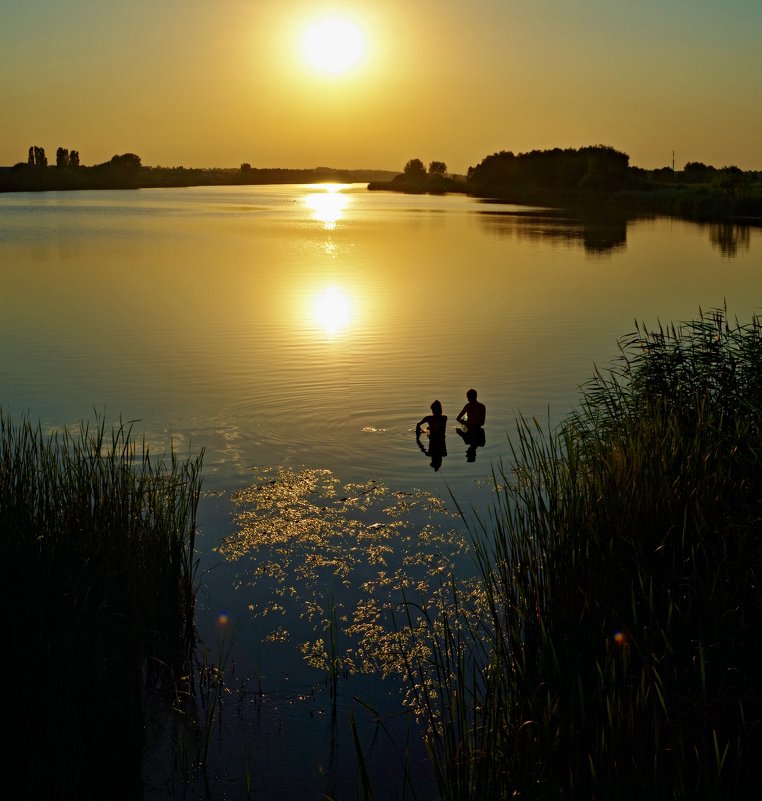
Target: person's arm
[[460, 417], [418, 426]]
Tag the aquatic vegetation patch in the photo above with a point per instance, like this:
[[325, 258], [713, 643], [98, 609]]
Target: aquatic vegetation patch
[[340, 558]]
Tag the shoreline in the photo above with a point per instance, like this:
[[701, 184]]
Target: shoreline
[[697, 203]]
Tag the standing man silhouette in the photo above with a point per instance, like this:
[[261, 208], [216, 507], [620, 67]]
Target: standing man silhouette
[[472, 417], [473, 413]]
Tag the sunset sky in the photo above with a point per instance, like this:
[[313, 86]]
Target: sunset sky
[[214, 84]]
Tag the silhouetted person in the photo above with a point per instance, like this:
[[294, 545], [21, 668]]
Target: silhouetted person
[[436, 421], [471, 418], [437, 426], [473, 414]]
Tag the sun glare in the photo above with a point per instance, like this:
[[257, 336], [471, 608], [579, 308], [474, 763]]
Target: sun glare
[[333, 45]]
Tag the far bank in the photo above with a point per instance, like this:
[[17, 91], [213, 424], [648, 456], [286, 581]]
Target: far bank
[[592, 180]]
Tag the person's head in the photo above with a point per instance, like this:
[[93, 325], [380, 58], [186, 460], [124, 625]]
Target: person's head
[[471, 394], [436, 407]]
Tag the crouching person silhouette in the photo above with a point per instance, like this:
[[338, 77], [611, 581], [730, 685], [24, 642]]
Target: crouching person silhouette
[[437, 427]]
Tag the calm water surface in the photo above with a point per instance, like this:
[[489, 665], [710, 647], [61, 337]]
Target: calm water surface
[[297, 333]]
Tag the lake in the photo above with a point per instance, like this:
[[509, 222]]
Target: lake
[[296, 334]]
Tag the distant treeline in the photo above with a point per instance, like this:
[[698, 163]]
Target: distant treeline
[[591, 178], [126, 171]]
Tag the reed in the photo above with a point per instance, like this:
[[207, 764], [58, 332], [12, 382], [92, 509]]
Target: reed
[[331, 625], [96, 573], [616, 650], [211, 691]]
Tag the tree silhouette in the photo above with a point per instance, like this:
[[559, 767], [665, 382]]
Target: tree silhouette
[[62, 157], [415, 168], [37, 157], [438, 168], [593, 168], [128, 162]]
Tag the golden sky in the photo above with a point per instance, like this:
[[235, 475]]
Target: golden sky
[[205, 83]]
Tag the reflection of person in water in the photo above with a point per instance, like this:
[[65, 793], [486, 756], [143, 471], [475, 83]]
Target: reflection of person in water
[[474, 439], [471, 419], [437, 426]]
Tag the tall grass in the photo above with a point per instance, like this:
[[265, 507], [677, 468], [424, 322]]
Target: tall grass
[[616, 651], [96, 591]]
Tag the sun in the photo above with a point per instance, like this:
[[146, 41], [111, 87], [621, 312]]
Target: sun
[[333, 45]]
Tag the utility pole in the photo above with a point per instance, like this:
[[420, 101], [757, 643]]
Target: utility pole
[[673, 161]]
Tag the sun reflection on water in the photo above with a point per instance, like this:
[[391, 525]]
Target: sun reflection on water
[[332, 310], [328, 205]]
